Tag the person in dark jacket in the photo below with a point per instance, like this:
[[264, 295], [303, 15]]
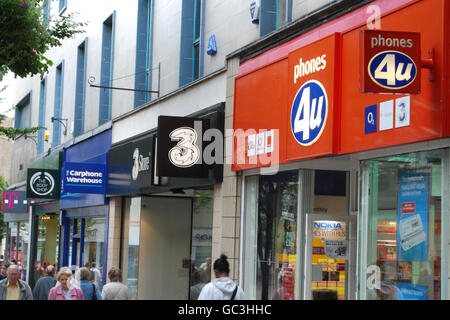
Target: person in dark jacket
[[44, 284], [90, 290]]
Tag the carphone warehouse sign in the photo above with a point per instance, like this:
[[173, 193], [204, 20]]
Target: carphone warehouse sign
[[84, 178]]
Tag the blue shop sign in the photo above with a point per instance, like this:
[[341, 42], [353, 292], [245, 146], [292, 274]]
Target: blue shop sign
[[84, 178]]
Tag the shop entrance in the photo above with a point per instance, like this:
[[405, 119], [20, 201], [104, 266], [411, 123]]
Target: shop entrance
[[330, 257]]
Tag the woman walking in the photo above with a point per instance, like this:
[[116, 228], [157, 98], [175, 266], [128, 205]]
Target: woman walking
[[115, 290], [65, 290]]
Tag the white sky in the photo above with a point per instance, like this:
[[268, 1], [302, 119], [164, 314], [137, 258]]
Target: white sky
[[7, 95]]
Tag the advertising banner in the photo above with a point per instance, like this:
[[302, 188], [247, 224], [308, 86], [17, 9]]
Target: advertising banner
[[43, 183], [412, 224], [84, 178]]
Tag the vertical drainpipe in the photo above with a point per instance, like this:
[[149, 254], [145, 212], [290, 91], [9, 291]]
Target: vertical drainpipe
[[149, 58], [202, 40]]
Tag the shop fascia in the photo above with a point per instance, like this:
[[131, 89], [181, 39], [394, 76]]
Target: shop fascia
[[317, 124]]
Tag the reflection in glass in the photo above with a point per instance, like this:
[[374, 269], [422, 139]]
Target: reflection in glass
[[404, 226]]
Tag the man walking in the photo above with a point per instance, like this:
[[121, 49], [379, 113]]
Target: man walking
[[12, 288], [44, 284]]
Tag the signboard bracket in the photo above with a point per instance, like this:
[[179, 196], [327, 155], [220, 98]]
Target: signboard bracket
[[429, 64]]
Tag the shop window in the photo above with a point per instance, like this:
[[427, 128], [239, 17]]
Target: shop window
[[201, 250], [131, 243], [47, 245], [401, 224], [270, 241]]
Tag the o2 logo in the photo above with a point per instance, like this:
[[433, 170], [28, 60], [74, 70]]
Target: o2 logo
[[309, 113], [186, 153], [392, 70]]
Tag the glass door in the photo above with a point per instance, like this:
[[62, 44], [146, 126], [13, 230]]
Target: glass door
[[330, 257]]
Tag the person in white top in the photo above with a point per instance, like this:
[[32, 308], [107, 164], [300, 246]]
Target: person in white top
[[221, 288], [115, 290]]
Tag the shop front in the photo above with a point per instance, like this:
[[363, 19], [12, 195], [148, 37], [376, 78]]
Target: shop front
[[84, 205], [42, 192], [15, 211], [341, 136], [165, 183]]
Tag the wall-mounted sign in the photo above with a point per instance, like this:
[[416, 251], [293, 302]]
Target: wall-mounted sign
[[14, 202], [390, 61], [180, 147], [254, 11], [312, 95], [43, 183], [84, 178], [131, 165], [329, 230]]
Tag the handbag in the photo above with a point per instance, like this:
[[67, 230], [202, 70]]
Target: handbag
[[94, 294]]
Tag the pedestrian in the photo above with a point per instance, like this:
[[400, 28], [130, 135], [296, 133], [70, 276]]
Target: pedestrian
[[3, 267], [90, 290], [115, 290], [221, 288], [12, 288], [65, 290], [44, 284], [97, 274]]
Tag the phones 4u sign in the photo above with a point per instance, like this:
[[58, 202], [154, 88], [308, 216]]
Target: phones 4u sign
[[391, 61]]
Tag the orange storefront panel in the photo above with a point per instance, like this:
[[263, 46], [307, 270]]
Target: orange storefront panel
[[271, 96], [396, 118]]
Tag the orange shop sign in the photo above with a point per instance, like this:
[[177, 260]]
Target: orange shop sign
[[324, 93]]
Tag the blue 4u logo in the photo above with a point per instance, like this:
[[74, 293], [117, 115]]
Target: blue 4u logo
[[392, 69], [309, 112]]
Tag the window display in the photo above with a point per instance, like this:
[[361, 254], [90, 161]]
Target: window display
[[403, 231]]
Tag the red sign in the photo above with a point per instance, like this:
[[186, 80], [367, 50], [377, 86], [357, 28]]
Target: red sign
[[313, 100], [390, 61], [408, 208], [309, 97]]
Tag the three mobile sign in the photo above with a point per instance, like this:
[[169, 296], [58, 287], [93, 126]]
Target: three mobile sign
[[391, 61]]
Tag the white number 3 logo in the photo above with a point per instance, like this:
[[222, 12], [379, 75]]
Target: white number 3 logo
[[186, 153]]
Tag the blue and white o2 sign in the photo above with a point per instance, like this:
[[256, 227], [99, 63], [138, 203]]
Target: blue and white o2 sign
[[309, 112], [392, 69]]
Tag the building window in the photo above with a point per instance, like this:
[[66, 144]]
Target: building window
[[274, 14], [106, 69], [46, 13], [57, 111], [80, 89], [22, 118], [144, 40], [403, 229], [191, 58], [62, 6], [41, 120]]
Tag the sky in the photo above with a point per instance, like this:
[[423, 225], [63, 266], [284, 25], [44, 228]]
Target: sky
[[8, 95]]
